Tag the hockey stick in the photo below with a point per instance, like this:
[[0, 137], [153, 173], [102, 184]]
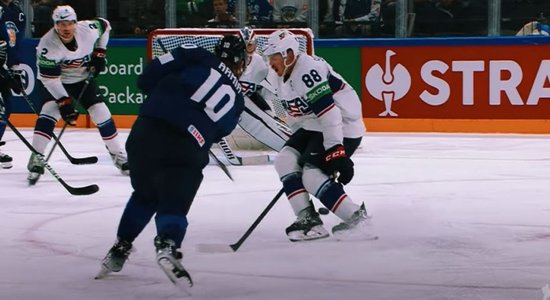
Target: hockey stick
[[84, 87], [241, 160], [234, 247], [221, 165], [74, 160], [77, 191]]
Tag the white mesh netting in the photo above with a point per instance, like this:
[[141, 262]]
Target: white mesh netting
[[163, 40]]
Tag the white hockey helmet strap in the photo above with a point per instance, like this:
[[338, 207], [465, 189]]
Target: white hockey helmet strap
[[64, 13], [280, 41]]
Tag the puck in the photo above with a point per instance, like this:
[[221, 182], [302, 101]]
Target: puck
[[323, 211]]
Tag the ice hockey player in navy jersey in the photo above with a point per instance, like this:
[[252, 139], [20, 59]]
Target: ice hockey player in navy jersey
[[12, 32], [193, 100]]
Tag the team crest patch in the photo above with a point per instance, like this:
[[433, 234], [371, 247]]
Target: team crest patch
[[12, 30], [196, 134]]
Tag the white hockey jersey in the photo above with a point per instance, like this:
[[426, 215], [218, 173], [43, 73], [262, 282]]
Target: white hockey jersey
[[58, 65], [317, 98]]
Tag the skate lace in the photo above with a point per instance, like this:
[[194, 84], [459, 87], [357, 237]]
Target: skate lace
[[36, 160], [121, 250]]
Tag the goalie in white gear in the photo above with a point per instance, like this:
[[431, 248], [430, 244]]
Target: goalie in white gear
[[326, 117], [258, 119], [68, 57]]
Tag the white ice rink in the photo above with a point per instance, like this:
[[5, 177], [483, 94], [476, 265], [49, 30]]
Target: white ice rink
[[459, 217]]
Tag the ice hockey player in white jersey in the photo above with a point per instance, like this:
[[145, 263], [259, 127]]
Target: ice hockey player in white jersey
[[325, 115], [69, 56], [258, 119]]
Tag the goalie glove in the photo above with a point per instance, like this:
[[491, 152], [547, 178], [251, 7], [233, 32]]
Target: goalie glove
[[67, 111], [338, 163], [98, 61]]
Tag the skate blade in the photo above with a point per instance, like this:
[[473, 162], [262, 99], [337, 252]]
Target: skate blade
[[33, 178], [315, 233], [102, 273], [355, 234], [182, 280], [6, 165], [299, 237]]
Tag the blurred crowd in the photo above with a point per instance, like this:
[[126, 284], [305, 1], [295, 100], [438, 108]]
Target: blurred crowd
[[337, 18]]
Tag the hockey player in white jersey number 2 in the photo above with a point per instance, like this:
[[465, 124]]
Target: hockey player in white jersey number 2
[[67, 56], [325, 115]]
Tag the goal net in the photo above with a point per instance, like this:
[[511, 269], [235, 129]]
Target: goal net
[[161, 41]]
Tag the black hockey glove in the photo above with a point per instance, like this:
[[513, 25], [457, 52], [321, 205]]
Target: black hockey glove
[[16, 83], [336, 161], [98, 61], [67, 111]]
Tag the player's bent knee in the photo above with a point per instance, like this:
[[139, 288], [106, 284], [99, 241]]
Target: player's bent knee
[[51, 109], [99, 113], [286, 161], [314, 180]]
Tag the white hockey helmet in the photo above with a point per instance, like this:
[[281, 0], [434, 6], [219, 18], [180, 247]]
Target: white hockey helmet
[[64, 13], [280, 41]]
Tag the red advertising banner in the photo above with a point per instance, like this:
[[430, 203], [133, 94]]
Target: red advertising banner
[[456, 82]]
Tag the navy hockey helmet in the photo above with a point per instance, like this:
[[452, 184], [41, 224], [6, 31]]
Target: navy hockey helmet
[[232, 51]]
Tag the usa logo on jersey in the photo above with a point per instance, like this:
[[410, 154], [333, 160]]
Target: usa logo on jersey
[[296, 107]]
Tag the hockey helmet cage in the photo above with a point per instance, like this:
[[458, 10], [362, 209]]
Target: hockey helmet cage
[[280, 41], [64, 13], [232, 51]]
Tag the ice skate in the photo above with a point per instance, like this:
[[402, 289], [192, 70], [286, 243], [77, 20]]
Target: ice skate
[[115, 258], [308, 226], [169, 261], [356, 226], [121, 162], [5, 161], [35, 167]]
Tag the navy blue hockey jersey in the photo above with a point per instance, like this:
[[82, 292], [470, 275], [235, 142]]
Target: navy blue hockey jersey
[[12, 30], [193, 90]]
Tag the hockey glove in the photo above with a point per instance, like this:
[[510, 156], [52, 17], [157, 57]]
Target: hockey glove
[[336, 161], [98, 61], [16, 83], [67, 111]]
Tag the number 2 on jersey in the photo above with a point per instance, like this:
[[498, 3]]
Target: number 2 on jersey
[[212, 104]]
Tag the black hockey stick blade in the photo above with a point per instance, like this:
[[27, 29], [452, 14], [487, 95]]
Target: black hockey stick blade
[[80, 191], [77, 191], [75, 160], [83, 160], [216, 248]]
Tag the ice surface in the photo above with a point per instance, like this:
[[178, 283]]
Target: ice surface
[[459, 217]]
